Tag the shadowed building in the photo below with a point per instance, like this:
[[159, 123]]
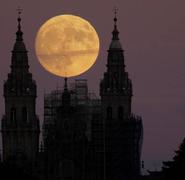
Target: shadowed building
[[20, 125], [67, 131], [85, 138], [65, 141], [118, 135]]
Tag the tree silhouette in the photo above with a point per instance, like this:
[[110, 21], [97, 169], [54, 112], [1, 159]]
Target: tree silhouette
[[175, 169]]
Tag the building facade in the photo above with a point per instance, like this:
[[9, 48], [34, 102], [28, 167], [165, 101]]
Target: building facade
[[84, 138]]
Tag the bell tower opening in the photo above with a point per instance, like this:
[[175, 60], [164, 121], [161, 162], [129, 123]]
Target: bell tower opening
[[13, 115], [109, 112], [25, 114], [120, 112]]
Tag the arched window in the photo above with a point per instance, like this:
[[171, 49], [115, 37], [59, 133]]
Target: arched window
[[120, 112], [24, 114], [109, 112], [116, 80], [13, 114]]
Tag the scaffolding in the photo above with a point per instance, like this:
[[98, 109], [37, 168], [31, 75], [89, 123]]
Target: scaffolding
[[80, 96]]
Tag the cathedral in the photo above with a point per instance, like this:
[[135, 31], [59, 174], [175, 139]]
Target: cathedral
[[84, 137]]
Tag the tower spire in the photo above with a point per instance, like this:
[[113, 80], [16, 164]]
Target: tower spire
[[65, 84], [115, 16], [115, 32], [66, 94], [19, 45], [19, 32], [115, 43]]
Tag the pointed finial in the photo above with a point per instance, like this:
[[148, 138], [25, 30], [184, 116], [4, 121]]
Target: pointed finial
[[115, 32], [115, 13], [66, 96], [65, 84], [19, 32], [19, 10]]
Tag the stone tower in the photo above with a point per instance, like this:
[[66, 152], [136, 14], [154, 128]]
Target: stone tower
[[20, 125], [122, 132]]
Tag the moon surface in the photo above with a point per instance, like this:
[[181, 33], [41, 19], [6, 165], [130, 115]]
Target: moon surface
[[67, 45]]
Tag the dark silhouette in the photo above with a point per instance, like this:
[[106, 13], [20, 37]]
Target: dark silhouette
[[20, 125], [122, 133], [83, 137], [175, 169], [171, 170], [11, 171]]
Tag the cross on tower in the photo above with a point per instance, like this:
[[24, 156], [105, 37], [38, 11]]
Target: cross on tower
[[115, 18], [19, 10], [115, 11]]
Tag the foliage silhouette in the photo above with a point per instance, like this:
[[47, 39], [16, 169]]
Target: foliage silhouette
[[175, 169]]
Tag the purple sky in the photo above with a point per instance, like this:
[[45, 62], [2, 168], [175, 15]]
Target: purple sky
[[153, 37]]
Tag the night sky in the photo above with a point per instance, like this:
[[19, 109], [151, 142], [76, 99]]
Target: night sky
[[152, 33]]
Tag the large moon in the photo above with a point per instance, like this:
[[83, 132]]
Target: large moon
[[67, 45]]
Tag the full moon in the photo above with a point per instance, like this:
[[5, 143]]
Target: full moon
[[67, 45]]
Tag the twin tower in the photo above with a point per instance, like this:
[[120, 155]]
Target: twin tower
[[116, 133], [20, 124]]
